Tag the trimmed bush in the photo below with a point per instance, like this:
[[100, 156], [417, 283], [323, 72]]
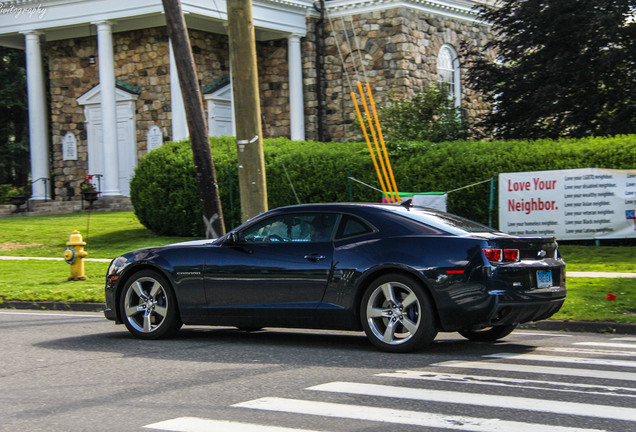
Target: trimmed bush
[[164, 191], [165, 198]]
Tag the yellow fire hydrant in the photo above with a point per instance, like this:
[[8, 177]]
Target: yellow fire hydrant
[[74, 255]]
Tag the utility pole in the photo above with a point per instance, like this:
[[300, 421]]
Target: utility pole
[[203, 164], [247, 108]]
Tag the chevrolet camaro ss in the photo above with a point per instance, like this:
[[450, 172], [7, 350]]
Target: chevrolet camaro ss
[[399, 273]]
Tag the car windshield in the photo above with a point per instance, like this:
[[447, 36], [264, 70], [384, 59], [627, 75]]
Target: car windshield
[[444, 221]]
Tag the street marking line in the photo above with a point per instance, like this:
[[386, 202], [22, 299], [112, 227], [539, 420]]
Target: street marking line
[[627, 339], [195, 424], [555, 359], [512, 382], [493, 401], [403, 417], [526, 333], [57, 315], [606, 344], [543, 370], [613, 353]]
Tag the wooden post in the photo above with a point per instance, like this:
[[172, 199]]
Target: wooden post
[[247, 109], [203, 164]]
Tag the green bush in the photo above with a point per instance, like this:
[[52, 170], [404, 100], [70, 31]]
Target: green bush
[[164, 193]]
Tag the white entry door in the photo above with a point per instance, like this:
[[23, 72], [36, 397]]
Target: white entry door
[[126, 136]]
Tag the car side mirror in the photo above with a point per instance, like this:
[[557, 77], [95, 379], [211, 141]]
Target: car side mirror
[[232, 239]]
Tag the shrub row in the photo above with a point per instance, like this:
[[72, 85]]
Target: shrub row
[[165, 198]]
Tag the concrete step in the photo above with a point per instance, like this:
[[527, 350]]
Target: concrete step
[[103, 204]]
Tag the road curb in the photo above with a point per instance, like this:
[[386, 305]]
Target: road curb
[[55, 306], [582, 326], [548, 325]]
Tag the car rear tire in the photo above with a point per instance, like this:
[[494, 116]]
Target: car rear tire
[[148, 306], [397, 315], [488, 334]]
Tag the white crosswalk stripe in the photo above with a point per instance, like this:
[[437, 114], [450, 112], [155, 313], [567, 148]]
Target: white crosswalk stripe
[[403, 417], [555, 359], [606, 344], [453, 397], [515, 383], [573, 372], [523, 368], [587, 351], [195, 424]]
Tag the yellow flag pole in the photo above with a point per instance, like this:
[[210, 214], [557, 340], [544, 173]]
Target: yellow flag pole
[[375, 140], [366, 136], [386, 154]]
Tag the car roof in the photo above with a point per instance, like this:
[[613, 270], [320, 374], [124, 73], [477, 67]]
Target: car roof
[[437, 219]]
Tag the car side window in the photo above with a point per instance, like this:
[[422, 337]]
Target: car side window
[[292, 228], [351, 226]]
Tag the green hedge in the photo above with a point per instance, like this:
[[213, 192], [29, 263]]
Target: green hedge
[[164, 191]]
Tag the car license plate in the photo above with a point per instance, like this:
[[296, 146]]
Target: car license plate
[[544, 279]]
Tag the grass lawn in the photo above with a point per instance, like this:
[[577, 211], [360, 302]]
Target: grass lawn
[[108, 234], [620, 259], [111, 234], [44, 281], [587, 300]]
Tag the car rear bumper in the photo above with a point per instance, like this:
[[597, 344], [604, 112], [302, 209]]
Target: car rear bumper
[[519, 313]]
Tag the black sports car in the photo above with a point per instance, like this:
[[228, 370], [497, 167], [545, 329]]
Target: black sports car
[[399, 273]]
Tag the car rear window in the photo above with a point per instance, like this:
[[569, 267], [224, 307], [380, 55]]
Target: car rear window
[[351, 226], [444, 221]]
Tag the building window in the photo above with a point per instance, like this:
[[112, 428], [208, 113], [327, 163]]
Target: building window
[[448, 73]]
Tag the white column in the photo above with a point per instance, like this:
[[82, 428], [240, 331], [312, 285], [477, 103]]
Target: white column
[[109, 108], [296, 101], [179, 122], [38, 119]]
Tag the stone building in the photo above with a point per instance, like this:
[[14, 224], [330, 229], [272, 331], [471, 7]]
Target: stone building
[[102, 86]]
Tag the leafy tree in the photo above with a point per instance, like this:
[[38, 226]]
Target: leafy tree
[[428, 116], [14, 134], [564, 68]]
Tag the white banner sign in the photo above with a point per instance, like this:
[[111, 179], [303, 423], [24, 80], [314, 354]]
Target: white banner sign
[[576, 204]]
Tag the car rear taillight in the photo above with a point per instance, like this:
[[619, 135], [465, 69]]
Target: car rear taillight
[[511, 254], [493, 255], [502, 255]]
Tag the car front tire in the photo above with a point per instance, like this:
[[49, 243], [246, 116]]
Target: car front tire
[[397, 315], [148, 306], [488, 334]]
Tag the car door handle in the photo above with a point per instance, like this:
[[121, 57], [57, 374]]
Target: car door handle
[[314, 257]]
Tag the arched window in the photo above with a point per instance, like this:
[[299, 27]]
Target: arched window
[[448, 73]]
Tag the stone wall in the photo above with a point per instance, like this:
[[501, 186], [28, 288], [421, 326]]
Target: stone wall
[[398, 48], [142, 66]]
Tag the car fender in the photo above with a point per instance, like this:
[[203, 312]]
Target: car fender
[[367, 277], [158, 265]]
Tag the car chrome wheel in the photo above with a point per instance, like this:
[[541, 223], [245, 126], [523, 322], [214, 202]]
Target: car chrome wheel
[[397, 315], [148, 306]]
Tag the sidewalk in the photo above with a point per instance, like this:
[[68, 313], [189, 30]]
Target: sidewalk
[[18, 258]]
